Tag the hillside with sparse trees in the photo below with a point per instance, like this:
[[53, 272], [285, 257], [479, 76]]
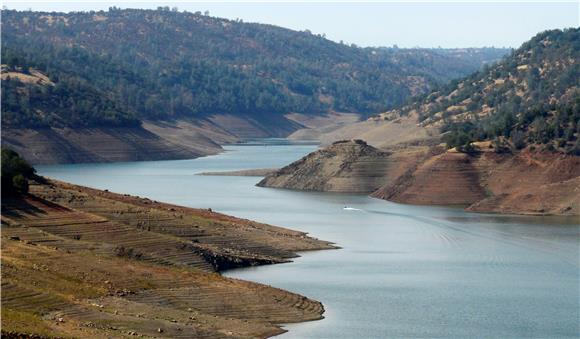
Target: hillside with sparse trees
[[113, 67], [532, 97]]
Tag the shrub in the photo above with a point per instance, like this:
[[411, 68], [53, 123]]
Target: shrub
[[518, 139]]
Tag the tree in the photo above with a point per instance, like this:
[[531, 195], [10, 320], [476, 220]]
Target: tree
[[15, 173], [20, 183]]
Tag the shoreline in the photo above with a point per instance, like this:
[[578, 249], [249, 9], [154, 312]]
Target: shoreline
[[182, 252], [264, 172], [258, 172]]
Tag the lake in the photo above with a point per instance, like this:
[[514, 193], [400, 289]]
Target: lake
[[402, 271]]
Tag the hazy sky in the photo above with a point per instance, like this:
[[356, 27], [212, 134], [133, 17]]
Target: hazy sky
[[375, 23]]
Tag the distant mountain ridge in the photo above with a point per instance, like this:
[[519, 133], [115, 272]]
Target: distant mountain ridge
[[161, 64]]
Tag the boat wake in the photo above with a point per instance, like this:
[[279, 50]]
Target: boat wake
[[351, 209]]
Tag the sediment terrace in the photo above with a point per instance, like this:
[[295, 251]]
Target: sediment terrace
[[79, 262], [345, 166], [153, 140], [527, 182], [486, 180]]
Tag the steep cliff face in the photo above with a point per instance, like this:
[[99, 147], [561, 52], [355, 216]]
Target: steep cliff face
[[345, 166], [525, 183]]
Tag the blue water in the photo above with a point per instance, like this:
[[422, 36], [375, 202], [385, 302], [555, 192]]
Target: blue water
[[403, 271]]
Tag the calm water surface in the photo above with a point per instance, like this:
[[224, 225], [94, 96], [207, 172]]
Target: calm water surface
[[403, 271]]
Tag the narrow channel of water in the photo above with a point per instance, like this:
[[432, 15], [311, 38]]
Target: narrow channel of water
[[403, 271]]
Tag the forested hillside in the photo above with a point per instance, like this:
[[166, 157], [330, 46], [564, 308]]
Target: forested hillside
[[30, 99], [115, 67], [531, 97]]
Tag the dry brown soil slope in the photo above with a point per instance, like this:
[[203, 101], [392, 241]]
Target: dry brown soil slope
[[345, 166], [152, 141], [78, 262], [200, 135], [317, 125], [247, 126], [384, 131], [449, 178], [527, 182]]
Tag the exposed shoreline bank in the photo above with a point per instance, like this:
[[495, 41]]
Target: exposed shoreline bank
[[527, 182], [99, 236], [258, 172]]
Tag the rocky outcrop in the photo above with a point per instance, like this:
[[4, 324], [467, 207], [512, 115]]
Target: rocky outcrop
[[345, 166]]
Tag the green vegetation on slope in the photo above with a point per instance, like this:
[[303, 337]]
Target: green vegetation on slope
[[531, 97], [68, 102], [15, 173], [160, 64]]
